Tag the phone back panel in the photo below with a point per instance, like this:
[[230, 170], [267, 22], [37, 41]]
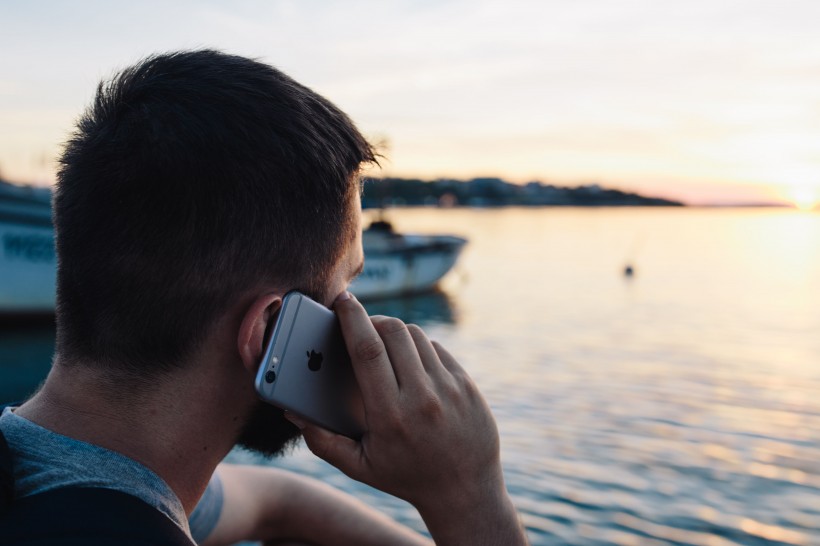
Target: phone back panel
[[312, 375]]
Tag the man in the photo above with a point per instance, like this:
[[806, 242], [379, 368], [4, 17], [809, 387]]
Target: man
[[199, 189]]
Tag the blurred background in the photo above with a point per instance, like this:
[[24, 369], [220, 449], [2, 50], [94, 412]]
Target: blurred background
[[654, 368]]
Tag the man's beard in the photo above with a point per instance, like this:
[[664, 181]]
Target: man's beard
[[267, 432]]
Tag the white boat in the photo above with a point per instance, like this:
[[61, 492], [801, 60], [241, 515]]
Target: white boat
[[399, 264], [395, 264], [27, 260]]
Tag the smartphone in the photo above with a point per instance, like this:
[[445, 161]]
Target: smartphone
[[306, 368]]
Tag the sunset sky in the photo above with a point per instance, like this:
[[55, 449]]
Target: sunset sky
[[709, 101]]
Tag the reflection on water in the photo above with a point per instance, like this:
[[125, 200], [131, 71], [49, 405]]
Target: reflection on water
[[430, 309], [681, 406], [25, 358]]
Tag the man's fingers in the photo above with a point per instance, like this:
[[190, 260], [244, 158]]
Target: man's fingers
[[448, 360], [402, 351], [429, 358], [371, 364], [340, 451]]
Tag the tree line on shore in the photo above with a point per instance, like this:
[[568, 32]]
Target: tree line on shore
[[496, 192]]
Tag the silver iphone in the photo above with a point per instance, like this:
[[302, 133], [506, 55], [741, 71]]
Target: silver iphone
[[306, 368]]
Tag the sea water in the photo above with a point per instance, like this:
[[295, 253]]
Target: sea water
[[679, 405]]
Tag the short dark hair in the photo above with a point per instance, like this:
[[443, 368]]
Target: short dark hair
[[192, 178]]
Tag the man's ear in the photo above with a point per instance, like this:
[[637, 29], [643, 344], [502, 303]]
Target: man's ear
[[255, 323]]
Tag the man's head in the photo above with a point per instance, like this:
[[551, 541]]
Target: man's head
[[193, 179]]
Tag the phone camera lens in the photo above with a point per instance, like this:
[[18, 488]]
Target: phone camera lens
[[270, 377]]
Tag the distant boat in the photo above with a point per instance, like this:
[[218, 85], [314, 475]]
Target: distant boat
[[398, 264], [395, 264], [27, 260]]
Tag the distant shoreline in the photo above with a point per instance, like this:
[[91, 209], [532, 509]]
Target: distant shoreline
[[370, 206], [473, 193], [496, 192]]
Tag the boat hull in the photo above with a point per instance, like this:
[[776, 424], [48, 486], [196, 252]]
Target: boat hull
[[417, 266], [27, 262]]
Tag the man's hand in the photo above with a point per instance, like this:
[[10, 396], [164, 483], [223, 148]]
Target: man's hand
[[430, 438]]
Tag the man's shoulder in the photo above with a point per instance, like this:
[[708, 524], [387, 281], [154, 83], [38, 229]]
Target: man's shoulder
[[88, 516], [69, 511]]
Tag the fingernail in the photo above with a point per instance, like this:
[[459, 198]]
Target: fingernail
[[300, 424], [344, 296]]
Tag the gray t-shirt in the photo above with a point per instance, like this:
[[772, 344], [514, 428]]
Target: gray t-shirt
[[44, 460]]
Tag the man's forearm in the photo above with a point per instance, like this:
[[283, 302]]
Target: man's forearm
[[322, 515], [276, 506]]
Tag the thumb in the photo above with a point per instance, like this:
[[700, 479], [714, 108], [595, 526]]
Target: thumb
[[342, 452]]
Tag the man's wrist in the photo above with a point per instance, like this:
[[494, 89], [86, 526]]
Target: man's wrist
[[481, 514]]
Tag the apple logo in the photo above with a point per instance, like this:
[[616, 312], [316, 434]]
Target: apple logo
[[314, 360]]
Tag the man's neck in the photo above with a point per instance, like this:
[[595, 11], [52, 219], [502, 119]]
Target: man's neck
[[180, 430]]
